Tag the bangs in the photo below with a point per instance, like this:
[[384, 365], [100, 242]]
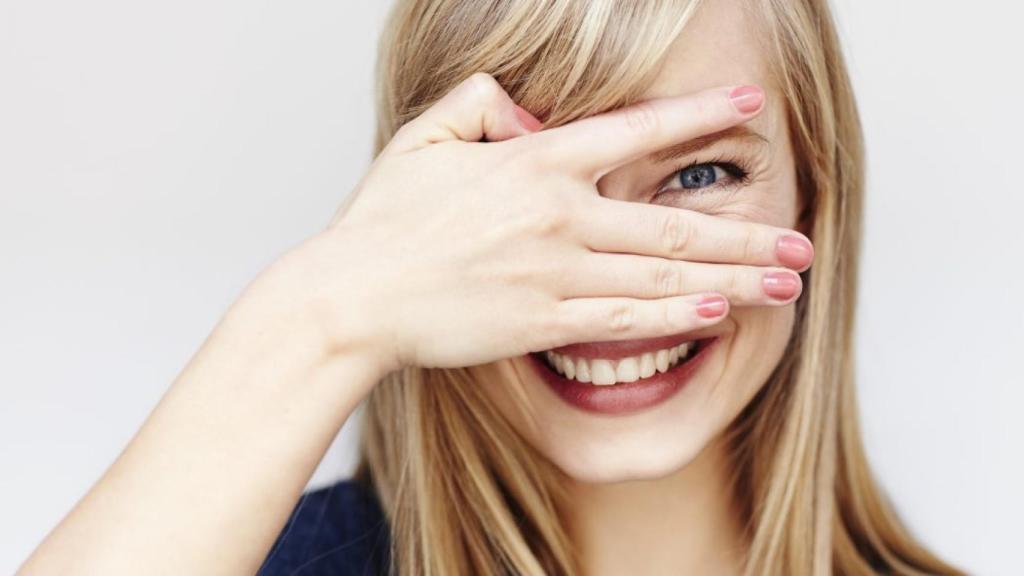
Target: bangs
[[561, 60]]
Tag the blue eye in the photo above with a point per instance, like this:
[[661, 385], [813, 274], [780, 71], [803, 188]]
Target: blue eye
[[706, 175], [699, 176]]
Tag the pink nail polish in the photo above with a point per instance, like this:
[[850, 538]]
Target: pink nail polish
[[747, 99], [712, 306], [527, 120], [794, 252], [781, 285]]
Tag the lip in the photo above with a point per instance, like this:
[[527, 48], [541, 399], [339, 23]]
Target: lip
[[627, 397]]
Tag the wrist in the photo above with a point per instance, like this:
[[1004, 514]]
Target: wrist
[[297, 308]]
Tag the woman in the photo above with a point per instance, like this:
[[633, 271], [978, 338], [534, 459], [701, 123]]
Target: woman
[[590, 346]]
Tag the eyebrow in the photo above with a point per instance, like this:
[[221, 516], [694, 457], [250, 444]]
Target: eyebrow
[[738, 132]]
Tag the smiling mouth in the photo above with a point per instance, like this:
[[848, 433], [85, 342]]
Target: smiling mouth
[[599, 371]]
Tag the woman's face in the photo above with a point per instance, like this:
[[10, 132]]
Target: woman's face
[[742, 175]]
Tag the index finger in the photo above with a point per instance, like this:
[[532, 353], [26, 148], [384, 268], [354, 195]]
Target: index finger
[[596, 145]]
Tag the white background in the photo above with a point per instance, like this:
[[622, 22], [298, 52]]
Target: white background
[[155, 156]]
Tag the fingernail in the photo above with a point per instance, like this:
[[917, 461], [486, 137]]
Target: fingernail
[[712, 306], [781, 285], [526, 119], [794, 251], [747, 99]]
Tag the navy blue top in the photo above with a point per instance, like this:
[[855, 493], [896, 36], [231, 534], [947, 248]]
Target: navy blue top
[[338, 530]]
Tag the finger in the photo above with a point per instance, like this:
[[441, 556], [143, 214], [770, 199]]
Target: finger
[[596, 145], [602, 274], [608, 225], [477, 108], [602, 319]]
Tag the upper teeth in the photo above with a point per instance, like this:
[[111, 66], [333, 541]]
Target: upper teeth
[[604, 372]]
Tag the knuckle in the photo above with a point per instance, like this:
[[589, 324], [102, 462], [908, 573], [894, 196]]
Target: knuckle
[[668, 280], [676, 234], [735, 285], [642, 118], [621, 317], [670, 315], [524, 154], [485, 88], [551, 149], [750, 246], [548, 221]]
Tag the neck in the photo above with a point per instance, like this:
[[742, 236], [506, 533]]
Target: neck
[[683, 523]]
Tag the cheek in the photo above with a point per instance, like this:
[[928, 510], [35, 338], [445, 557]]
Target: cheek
[[771, 199], [758, 344]]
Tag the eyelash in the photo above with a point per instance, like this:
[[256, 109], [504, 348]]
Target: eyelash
[[733, 167]]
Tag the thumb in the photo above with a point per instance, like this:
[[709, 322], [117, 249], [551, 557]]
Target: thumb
[[478, 108]]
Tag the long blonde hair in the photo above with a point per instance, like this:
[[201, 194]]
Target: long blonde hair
[[463, 493]]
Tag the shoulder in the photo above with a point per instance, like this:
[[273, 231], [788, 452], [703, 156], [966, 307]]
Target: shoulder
[[338, 530]]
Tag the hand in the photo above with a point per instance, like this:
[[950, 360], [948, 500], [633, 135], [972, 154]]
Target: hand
[[454, 252]]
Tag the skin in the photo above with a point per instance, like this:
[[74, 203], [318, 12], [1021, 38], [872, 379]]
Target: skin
[[660, 472], [210, 479]]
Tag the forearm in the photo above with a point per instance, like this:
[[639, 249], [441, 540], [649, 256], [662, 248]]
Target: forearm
[[209, 480]]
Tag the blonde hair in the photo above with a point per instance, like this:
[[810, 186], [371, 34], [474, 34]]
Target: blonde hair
[[465, 494]]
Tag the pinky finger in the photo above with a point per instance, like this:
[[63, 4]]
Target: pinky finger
[[603, 319]]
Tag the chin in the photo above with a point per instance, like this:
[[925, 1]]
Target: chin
[[597, 463]]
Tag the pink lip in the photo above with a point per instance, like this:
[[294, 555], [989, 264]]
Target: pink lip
[[627, 397]]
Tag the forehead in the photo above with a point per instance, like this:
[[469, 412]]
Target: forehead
[[721, 45]]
